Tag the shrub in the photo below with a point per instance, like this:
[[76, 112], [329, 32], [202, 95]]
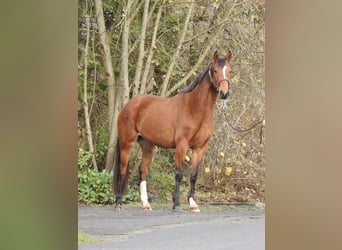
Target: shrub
[[84, 158], [95, 187]]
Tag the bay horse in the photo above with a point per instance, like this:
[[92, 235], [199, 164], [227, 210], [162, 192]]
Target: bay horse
[[184, 121]]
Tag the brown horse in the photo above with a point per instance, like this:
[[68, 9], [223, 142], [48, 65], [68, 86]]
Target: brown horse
[[183, 121]]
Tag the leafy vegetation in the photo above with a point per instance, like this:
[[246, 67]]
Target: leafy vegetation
[[95, 187]]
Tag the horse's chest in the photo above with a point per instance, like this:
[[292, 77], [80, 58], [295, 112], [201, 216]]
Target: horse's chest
[[203, 134]]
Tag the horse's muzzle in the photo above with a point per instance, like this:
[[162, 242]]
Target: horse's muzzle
[[224, 89], [223, 96]]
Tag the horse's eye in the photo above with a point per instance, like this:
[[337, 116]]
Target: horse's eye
[[215, 71]]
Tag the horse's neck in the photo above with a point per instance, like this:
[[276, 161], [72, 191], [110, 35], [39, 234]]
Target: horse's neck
[[203, 98]]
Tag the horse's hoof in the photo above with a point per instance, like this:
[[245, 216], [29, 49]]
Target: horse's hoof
[[118, 208], [193, 206], [177, 209], [146, 206], [195, 210]]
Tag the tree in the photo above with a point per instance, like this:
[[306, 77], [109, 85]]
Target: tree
[[85, 92]]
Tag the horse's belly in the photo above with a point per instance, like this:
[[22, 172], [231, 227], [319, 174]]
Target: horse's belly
[[158, 134]]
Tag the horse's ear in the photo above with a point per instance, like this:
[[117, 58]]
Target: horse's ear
[[229, 56], [216, 56]]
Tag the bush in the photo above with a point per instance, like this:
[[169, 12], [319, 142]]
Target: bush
[[84, 158], [95, 187]]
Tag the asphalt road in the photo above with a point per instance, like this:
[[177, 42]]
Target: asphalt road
[[216, 227]]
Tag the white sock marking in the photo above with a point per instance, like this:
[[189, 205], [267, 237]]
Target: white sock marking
[[143, 191], [193, 206], [192, 202]]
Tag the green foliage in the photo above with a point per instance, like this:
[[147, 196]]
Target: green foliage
[[163, 182], [84, 238], [102, 141], [171, 20], [84, 158], [161, 177], [95, 187], [133, 195]]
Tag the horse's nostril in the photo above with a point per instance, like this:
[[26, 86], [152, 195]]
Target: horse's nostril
[[224, 96]]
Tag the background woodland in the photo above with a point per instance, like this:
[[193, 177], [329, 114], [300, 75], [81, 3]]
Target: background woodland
[[158, 47]]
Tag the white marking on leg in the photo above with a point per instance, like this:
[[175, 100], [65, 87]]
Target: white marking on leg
[[143, 191], [143, 196], [193, 205]]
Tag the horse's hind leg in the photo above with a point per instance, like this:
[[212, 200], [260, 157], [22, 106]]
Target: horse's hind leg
[[147, 154], [123, 172]]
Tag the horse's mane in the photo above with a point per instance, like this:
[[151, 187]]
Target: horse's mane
[[196, 81]]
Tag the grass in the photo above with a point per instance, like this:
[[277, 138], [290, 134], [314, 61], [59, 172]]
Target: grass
[[84, 238]]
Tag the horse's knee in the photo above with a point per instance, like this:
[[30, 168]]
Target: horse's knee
[[178, 175], [193, 175], [143, 174]]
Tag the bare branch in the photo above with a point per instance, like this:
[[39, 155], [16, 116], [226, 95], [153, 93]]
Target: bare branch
[[175, 55], [141, 54]]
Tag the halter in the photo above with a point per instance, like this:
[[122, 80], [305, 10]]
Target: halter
[[219, 84]]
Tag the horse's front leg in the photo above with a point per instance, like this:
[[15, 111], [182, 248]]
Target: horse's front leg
[[193, 205], [196, 159], [178, 180], [181, 149]]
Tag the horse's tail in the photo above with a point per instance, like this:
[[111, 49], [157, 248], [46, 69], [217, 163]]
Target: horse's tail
[[116, 176]]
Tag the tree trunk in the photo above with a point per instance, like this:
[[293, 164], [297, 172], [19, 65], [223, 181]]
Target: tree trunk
[[175, 55], [113, 134], [85, 99], [122, 89], [141, 49], [124, 95], [105, 38]]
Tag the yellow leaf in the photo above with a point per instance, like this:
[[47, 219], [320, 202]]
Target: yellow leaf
[[221, 154], [228, 171], [207, 170], [244, 144], [187, 158]]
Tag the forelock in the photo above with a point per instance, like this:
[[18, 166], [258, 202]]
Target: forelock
[[221, 62]]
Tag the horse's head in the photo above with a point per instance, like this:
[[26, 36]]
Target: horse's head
[[219, 73]]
